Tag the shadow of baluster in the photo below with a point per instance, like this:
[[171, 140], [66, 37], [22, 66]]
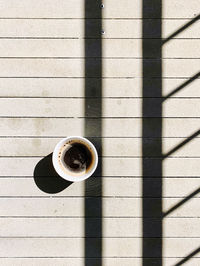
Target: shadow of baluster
[[152, 127], [93, 128]]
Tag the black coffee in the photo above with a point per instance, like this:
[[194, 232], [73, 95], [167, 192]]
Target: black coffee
[[78, 157]]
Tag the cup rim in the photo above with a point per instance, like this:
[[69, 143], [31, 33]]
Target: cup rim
[[64, 174]]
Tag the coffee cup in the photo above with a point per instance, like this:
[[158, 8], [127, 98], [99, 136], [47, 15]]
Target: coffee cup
[[75, 158]]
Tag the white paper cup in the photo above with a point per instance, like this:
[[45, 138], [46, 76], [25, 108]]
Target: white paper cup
[[61, 168]]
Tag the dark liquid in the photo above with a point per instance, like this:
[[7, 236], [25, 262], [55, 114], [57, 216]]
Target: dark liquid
[[78, 158]]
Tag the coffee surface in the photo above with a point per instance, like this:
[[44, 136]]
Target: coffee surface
[[77, 158]]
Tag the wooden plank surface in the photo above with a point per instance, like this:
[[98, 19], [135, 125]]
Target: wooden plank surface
[[80, 261], [74, 247], [74, 207], [75, 9], [124, 166], [112, 67], [111, 107], [113, 227], [42, 47], [124, 147], [114, 28], [69, 87], [117, 48], [73, 87], [177, 187], [113, 127]]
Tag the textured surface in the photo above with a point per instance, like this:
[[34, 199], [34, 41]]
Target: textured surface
[[49, 55]]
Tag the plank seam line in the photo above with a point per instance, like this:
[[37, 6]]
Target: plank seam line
[[96, 137], [96, 18], [105, 117], [93, 237], [114, 157], [127, 177], [115, 257], [96, 57], [97, 97], [112, 217], [90, 38], [93, 196], [65, 77]]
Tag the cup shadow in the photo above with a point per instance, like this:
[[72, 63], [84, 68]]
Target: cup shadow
[[47, 179]]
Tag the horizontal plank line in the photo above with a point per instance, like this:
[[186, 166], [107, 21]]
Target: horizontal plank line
[[106, 218], [97, 217], [42, 38], [96, 18], [102, 118], [115, 257], [59, 257], [92, 237], [115, 137], [93, 97], [98, 78], [94, 137], [89, 197], [52, 117], [95, 258], [94, 57], [127, 177], [112, 156], [91, 38], [85, 78]]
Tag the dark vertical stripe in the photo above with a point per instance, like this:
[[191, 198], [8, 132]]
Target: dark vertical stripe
[[93, 127], [152, 247]]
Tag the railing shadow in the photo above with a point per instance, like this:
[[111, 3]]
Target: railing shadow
[[184, 27], [188, 257], [153, 215], [180, 145], [182, 86], [179, 204], [93, 128], [152, 127]]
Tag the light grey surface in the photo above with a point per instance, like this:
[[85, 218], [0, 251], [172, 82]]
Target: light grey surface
[[36, 224]]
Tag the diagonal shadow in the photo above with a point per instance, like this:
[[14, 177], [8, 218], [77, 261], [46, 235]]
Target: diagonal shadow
[[181, 29], [176, 206], [192, 254], [197, 75], [93, 128], [180, 145], [152, 248]]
